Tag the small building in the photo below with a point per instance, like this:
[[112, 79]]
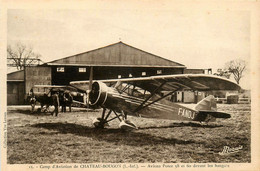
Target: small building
[[191, 96], [197, 71], [15, 88]]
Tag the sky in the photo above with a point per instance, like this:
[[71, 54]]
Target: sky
[[196, 38]]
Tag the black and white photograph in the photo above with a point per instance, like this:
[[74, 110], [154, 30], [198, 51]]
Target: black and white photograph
[[130, 85]]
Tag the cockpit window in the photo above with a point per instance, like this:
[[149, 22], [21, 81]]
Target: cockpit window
[[132, 90]]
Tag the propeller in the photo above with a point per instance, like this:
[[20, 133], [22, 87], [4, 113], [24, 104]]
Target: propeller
[[90, 85]]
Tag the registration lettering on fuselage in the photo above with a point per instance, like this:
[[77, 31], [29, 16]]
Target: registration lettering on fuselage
[[186, 113]]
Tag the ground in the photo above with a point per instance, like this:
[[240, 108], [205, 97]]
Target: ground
[[71, 138]]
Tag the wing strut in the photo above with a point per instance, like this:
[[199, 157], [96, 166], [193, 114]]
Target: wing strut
[[148, 98], [157, 100], [125, 88], [142, 107]]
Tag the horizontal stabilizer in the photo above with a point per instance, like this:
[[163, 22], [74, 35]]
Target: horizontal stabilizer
[[215, 114], [210, 116]]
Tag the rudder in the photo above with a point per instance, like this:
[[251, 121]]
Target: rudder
[[207, 104]]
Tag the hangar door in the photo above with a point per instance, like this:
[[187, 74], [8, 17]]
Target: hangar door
[[15, 93]]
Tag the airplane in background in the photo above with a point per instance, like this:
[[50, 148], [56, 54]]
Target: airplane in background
[[43, 95], [146, 97]]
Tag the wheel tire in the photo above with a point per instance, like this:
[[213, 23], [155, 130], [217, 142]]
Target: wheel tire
[[98, 123]]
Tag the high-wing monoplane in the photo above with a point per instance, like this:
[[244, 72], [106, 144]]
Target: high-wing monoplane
[[146, 97]]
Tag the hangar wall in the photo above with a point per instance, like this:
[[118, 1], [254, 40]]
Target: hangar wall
[[117, 60], [74, 73], [37, 75]]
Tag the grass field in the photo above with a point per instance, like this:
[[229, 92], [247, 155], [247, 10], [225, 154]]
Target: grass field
[[71, 138]]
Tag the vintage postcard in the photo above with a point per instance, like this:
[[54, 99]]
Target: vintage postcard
[[130, 85]]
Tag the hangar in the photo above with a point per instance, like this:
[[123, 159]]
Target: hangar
[[117, 60]]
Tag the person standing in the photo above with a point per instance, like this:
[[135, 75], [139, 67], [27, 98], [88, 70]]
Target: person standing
[[68, 99], [56, 103], [32, 100], [62, 102]]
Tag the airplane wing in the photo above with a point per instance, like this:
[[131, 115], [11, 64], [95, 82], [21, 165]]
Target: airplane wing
[[200, 82], [49, 86], [60, 87]]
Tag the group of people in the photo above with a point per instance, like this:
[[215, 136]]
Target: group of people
[[62, 99], [55, 98]]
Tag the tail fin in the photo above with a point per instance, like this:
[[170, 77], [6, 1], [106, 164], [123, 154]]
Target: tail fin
[[207, 108], [207, 104]]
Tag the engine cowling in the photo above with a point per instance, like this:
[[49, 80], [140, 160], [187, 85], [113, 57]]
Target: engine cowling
[[108, 97], [98, 93]]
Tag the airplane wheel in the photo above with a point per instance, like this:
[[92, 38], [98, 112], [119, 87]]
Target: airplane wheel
[[99, 123]]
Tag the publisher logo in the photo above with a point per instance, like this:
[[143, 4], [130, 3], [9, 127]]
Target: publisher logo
[[230, 150]]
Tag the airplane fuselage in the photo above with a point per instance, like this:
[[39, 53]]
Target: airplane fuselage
[[109, 97]]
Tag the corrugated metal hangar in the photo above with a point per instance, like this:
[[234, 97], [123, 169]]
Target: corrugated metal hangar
[[117, 60]]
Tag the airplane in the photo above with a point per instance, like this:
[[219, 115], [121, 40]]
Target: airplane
[[146, 97], [43, 95]]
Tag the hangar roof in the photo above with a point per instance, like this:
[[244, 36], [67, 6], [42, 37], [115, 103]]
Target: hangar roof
[[16, 76], [118, 54]]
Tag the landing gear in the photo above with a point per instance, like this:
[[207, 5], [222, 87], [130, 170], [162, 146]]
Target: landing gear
[[103, 121], [99, 123], [127, 125]]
